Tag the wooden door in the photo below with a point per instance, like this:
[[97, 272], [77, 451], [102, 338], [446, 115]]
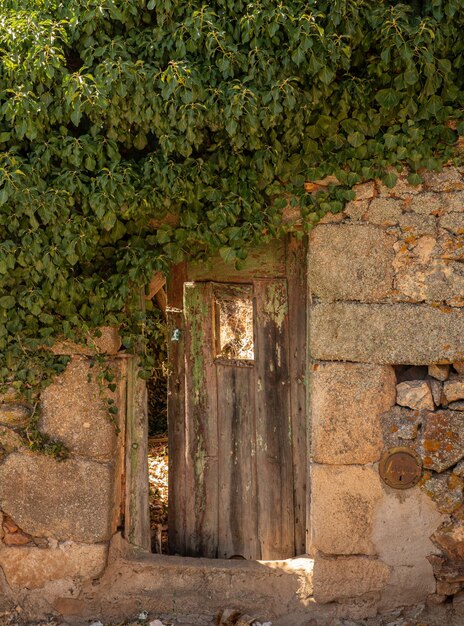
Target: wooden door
[[236, 407]]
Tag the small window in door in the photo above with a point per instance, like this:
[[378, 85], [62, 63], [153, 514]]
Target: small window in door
[[233, 311]]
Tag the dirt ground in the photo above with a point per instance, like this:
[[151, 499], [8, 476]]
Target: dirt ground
[[413, 616]]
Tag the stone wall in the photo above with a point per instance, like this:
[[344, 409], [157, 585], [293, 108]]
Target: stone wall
[[57, 517], [386, 370], [387, 343]]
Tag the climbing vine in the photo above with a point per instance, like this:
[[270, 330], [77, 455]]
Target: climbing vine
[[134, 134]]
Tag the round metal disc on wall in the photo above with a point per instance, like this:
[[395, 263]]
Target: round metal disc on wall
[[400, 468]]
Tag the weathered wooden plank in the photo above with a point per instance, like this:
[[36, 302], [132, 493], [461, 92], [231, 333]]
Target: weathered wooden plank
[[201, 508], [120, 456], [238, 520], [298, 321], [157, 282], [273, 423], [137, 517], [176, 410], [261, 262], [161, 299]]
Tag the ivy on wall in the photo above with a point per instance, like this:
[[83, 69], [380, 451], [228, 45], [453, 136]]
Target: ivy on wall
[[114, 115]]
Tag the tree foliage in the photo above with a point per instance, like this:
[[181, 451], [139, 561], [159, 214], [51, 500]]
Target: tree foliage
[[116, 114]]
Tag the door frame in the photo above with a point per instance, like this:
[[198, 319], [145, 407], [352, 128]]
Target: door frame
[[293, 266]]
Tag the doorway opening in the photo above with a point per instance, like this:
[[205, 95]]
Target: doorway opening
[[157, 409], [233, 460], [237, 406]]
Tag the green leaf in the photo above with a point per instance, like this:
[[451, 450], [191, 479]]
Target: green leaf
[[326, 75], [411, 76], [4, 195], [415, 179], [390, 140], [72, 258], [76, 114], [314, 64], [228, 254], [298, 56], [390, 180], [434, 105], [388, 98], [7, 302], [356, 139]]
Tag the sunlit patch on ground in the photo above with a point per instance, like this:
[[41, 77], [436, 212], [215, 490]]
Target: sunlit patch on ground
[[158, 477]]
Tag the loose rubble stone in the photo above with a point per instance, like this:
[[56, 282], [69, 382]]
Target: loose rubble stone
[[415, 394], [440, 372], [458, 603], [437, 391], [448, 498], [228, 616], [73, 411], [459, 367], [385, 211], [108, 342], [12, 535], [459, 469], [17, 539], [456, 406], [356, 209], [342, 395], [449, 179], [65, 500], [33, 567], [424, 203], [443, 440], [291, 214], [417, 225], [435, 599], [407, 432], [348, 577], [453, 201], [396, 423], [9, 525], [332, 218], [453, 389], [14, 414], [420, 276], [453, 222], [354, 493], [451, 246], [450, 538], [9, 396], [365, 277], [365, 191], [446, 588], [10, 441], [386, 333]]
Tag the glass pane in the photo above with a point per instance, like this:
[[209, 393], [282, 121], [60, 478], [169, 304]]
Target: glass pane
[[234, 322]]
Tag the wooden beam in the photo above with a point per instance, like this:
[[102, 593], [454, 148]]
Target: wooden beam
[[162, 300], [157, 282], [136, 514]]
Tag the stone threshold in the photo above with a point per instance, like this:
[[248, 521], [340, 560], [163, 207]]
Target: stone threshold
[[136, 580]]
